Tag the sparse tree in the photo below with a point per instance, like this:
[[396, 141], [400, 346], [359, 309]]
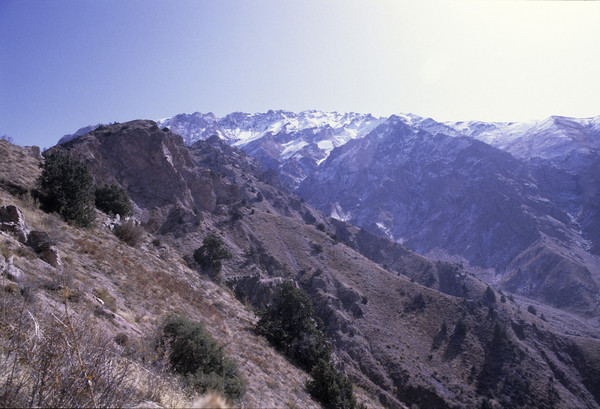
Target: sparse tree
[[67, 188], [210, 255], [196, 355], [289, 325], [489, 296], [113, 199]]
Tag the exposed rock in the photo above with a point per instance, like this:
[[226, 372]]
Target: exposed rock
[[13, 273], [42, 244], [11, 220], [39, 241], [259, 292], [157, 170], [52, 257], [2, 264]]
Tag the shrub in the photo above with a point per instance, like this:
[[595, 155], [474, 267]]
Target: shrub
[[196, 355], [113, 199], [489, 296], [461, 328], [531, 309], [289, 326], [130, 233], [321, 227], [331, 387], [66, 187], [210, 255]]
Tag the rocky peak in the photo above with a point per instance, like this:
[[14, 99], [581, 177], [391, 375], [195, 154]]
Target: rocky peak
[[154, 166]]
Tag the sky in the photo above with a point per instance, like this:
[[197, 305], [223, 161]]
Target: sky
[[65, 64]]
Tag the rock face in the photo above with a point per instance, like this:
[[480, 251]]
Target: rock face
[[12, 272], [42, 244], [11, 220], [458, 194], [155, 168]]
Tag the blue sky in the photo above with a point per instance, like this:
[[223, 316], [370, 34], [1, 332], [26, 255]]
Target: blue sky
[[66, 64]]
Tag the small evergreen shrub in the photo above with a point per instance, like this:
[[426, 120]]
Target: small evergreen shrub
[[331, 387], [531, 309], [67, 188], [197, 357], [210, 255], [289, 326], [489, 296], [461, 328], [113, 199]]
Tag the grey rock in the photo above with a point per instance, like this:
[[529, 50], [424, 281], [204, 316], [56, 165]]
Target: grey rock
[[12, 272], [39, 241], [258, 291], [12, 220], [52, 257]]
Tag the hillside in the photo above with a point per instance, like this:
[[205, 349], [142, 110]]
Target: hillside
[[410, 331], [516, 201]]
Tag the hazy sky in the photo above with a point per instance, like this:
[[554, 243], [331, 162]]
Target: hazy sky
[[67, 64]]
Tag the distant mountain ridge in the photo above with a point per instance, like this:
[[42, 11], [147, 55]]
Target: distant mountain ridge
[[521, 199]]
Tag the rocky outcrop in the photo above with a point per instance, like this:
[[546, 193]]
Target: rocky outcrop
[[12, 272], [42, 244], [259, 292], [11, 220], [156, 169], [454, 194]]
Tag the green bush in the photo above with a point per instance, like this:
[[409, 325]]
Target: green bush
[[196, 355], [531, 309], [331, 387], [67, 188], [113, 199], [210, 255], [289, 326]]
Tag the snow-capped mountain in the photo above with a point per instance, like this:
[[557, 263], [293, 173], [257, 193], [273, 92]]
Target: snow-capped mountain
[[520, 199]]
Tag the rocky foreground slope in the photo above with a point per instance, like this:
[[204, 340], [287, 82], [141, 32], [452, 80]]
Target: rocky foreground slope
[[409, 330]]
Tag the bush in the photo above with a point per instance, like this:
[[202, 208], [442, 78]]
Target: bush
[[130, 233], [461, 328], [210, 255], [489, 297], [289, 326], [331, 387], [113, 199], [531, 309], [66, 187], [194, 354]]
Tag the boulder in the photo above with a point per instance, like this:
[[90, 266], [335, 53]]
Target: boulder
[[12, 220], [13, 273], [52, 257], [39, 241]]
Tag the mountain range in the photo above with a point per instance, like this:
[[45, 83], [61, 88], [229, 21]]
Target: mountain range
[[519, 201], [409, 330]]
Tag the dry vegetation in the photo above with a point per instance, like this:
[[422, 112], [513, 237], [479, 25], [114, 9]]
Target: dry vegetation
[[102, 331]]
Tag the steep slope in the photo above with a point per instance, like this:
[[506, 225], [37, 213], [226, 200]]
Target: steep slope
[[118, 296], [450, 345], [456, 194], [515, 216]]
